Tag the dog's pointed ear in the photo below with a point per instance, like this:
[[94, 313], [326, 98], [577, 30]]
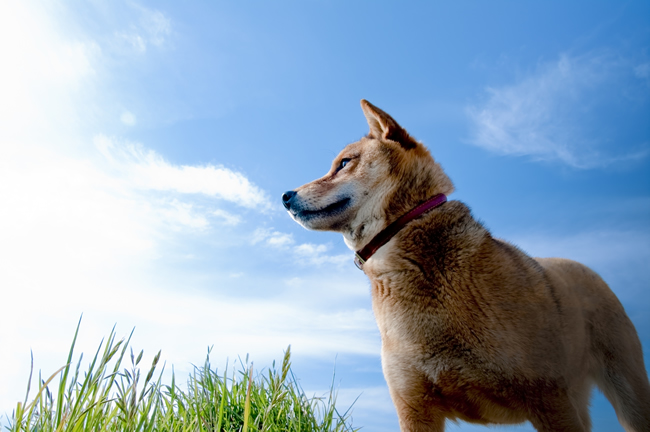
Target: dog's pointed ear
[[383, 126]]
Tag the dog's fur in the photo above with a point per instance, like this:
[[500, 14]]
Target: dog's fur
[[472, 328]]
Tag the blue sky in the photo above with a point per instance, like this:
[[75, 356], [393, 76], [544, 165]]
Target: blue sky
[[144, 148]]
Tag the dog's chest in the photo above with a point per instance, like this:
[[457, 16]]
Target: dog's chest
[[403, 319]]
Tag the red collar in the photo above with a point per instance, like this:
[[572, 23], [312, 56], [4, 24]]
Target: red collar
[[362, 255]]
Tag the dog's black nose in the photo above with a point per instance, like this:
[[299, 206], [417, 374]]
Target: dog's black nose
[[286, 199]]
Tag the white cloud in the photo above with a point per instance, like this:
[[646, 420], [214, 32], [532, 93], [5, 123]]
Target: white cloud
[[183, 214], [329, 288], [304, 253], [133, 40], [255, 326], [156, 24], [57, 209], [259, 235], [128, 118], [309, 249], [227, 218], [545, 114], [146, 169], [295, 281], [272, 238], [279, 240], [317, 254], [152, 27]]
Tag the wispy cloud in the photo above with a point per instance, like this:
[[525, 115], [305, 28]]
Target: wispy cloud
[[152, 27], [305, 253], [146, 169], [180, 214], [128, 118], [272, 238], [226, 217], [317, 253], [553, 113]]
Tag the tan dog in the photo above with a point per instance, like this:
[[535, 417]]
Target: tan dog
[[472, 328]]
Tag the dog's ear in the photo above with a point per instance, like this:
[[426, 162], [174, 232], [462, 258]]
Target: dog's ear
[[383, 126]]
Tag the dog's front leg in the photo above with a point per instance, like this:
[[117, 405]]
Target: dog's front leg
[[411, 392], [415, 417]]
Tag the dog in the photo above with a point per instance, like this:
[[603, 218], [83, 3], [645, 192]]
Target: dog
[[472, 328]]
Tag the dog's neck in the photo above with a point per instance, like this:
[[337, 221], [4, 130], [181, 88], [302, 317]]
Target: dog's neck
[[358, 235], [368, 244]]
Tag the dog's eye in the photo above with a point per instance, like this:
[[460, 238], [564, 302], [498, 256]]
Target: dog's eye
[[343, 163]]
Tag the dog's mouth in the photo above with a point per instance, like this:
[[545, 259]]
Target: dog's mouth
[[330, 210]]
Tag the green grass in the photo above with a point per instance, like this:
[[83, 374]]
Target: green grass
[[111, 395]]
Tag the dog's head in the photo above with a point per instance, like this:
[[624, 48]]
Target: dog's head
[[371, 183]]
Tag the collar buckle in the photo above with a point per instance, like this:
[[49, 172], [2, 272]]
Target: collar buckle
[[358, 261]]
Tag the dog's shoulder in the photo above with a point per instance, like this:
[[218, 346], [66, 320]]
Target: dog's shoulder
[[432, 250], [445, 235]]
